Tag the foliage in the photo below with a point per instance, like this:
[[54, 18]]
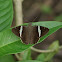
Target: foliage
[[7, 58], [29, 61], [27, 54], [6, 14], [48, 56]]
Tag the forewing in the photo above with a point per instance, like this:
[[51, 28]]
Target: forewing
[[16, 31], [44, 30]]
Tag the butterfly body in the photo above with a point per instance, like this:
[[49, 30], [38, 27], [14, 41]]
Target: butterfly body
[[30, 34]]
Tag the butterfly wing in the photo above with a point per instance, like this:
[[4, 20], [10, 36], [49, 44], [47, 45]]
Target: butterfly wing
[[16, 31], [44, 30]]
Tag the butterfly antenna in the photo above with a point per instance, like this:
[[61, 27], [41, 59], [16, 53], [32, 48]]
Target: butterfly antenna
[[35, 18]]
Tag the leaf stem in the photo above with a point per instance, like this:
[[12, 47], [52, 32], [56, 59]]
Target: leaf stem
[[18, 57], [44, 51], [18, 12]]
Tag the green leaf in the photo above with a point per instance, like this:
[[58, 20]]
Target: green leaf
[[54, 46], [29, 61], [48, 24], [6, 14], [41, 57], [26, 54], [10, 43], [7, 58]]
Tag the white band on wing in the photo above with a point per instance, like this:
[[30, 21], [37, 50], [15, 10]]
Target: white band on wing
[[39, 31], [21, 28]]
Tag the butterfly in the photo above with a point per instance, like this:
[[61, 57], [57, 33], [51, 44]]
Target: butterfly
[[30, 34]]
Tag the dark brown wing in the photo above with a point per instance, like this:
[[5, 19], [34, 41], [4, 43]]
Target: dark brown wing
[[16, 31], [30, 34], [44, 31]]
